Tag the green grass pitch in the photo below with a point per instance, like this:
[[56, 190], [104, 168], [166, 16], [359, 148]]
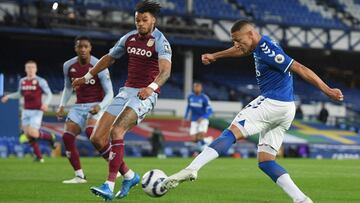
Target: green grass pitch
[[223, 180]]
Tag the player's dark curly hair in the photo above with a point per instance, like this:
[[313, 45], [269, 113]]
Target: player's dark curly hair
[[148, 6], [82, 37]]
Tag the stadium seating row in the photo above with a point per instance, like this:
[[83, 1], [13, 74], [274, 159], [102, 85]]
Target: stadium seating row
[[289, 12]]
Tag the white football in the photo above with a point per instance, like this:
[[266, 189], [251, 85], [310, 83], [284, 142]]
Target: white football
[[151, 183]]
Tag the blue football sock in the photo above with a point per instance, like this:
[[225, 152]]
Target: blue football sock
[[272, 169], [223, 143]]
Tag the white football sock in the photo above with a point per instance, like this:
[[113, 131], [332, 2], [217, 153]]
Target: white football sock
[[207, 155], [129, 175], [80, 173], [288, 185], [111, 185]]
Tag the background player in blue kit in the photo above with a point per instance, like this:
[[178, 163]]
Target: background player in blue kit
[[200, 110], [269, 115]]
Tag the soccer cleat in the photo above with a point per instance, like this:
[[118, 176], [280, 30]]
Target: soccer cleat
[[52, 141], [174, 180], [75, 180], [103, 191], [39, 160], [127, 185], [307, 200]]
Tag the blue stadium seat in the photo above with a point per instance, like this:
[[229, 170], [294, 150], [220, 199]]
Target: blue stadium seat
[[289, 12]]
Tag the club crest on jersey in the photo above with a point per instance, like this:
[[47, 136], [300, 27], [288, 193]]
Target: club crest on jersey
[[150, 43], [34, 82], [72, 70], [279, 58]]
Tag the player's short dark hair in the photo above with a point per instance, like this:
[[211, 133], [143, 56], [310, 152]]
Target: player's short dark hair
[[30, 61], [82, 37], [197, 82], [238, 25], [148, 6]]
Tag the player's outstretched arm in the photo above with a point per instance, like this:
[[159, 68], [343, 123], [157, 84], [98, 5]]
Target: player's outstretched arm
[[102, 64], [315, 80], [161, 78], [227, 53], [14, 95]]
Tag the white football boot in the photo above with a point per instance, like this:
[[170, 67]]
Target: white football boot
[[307, 200], [76, 180], [177, 178]]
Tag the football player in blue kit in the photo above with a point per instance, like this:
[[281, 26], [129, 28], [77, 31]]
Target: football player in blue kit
[[199, 109], [269, 115]]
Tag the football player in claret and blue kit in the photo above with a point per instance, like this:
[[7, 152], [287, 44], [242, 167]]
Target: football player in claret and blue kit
[[149, 66]]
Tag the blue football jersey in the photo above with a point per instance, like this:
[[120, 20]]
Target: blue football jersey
[[199, 106], [272, 70]]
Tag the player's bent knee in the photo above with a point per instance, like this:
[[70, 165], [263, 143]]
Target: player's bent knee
[[236, 131], [266, 153], [97, 141], [33, 132], [117, 132]]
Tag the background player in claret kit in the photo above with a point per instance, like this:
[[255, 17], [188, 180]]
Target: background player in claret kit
[[149, 66], [200, 110], [92, 98], [270, 114], [32, 87]]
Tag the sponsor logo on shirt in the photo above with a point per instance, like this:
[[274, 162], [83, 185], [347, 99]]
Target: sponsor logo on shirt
[[28, 87], [139, 51]]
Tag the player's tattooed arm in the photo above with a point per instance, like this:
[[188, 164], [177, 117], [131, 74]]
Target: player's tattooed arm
[[164, 72], [315, 80]]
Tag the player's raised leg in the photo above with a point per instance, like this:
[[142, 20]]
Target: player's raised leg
[[219, 146], [69, 137], [123, 123]]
